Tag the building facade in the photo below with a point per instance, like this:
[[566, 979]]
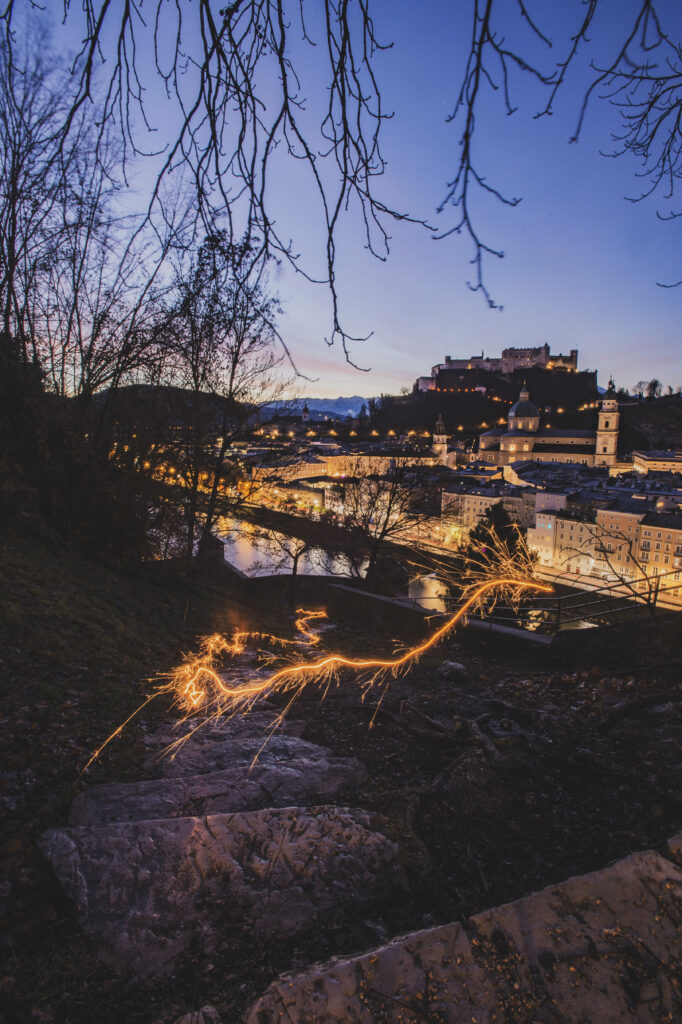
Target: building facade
[[638, 548], [441, 440], [465, 509], [524, 439], [657, 461]]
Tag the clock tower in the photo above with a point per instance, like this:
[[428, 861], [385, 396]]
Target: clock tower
[[606, 448]]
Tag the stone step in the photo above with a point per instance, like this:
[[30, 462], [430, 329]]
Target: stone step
[[149, 891], [427, 976], [270, 783], [604, 947], [224, 743], [247, 726]]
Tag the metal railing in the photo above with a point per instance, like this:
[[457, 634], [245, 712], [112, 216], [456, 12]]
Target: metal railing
[[550, 615]]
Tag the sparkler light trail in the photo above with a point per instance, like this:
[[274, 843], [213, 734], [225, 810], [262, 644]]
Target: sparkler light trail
[[491, 559], [199, 687]]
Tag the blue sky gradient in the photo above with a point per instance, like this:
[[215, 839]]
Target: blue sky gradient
[[581, 262], [581, 266]]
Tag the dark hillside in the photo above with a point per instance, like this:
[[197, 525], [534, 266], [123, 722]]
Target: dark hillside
[[79, 642], [655, 423], [515, 768]]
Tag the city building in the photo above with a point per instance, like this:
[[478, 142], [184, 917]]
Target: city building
[[620, 544], [465, 508], [657, 461], [660, 544], [440, 441], [523, 438]]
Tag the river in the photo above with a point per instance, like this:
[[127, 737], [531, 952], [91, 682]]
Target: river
[[257, 552]]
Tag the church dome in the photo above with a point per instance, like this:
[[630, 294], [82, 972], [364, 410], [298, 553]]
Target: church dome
[[524, 408]]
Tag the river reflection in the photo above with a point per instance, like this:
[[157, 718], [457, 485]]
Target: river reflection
[[255, 553], [429, 592]]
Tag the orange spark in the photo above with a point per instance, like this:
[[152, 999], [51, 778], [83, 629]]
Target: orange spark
[[244, 694], [198, 686]]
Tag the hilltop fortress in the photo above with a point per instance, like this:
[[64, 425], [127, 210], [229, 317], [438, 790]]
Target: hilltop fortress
[[510, 360]]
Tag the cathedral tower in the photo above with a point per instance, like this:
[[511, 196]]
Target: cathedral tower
[[439, 446], [606, 448]]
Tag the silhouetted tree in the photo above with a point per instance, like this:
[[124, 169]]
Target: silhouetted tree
[[220, 331], [385, 505]]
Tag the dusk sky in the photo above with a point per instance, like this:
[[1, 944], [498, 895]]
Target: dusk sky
[[581, 263], [581, 266]]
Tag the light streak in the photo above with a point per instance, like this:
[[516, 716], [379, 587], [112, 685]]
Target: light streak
[[199, 689]]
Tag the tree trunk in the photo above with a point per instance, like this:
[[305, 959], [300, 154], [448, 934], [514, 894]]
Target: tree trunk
[[371, 565], [191, 517], [294, 573], [213, 497]]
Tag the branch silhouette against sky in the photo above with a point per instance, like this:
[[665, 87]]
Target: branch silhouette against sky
[[228, 99]]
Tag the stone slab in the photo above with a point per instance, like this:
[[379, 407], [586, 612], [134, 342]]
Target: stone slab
[[427, 976], [269, 783], [148, 892], [220, 745], [603, 947], [258, 722]]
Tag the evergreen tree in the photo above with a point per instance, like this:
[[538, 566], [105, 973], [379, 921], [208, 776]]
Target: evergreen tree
[[494, 528]]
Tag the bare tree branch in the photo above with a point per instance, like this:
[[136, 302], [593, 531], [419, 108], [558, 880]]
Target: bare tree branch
[[643, 80], [215, 67]]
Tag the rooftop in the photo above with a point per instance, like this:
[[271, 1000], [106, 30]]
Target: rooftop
[[659, 454], [666, 520]]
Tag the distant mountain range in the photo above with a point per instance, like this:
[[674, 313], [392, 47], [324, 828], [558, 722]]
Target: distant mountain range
[[318, 407]]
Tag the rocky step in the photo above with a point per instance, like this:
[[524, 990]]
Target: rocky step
[[258, 722], [224, 743], [148, 892], [603, 947], [269, 783]]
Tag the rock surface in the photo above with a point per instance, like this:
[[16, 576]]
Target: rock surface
[[675, 848], [428, 975], [452, 670], [604, 947], [206, 1015], [215, 746], [270, 783], [150, 891]]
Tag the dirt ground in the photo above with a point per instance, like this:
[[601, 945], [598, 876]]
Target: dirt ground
[[519, 768]]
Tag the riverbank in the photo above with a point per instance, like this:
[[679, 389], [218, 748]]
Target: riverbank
[[303, 527]]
